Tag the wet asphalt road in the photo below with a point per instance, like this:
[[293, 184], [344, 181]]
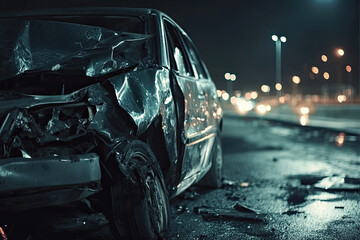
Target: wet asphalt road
[[269, 167], [274, 168]]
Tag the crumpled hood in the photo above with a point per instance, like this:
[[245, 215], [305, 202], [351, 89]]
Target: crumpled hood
[[37, 46]]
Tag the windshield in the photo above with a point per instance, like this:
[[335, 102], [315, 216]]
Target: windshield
[[116, 23], [71, 43]]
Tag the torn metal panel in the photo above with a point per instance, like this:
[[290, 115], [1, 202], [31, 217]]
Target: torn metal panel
[[138, 94], [144, 95], [30, 46]]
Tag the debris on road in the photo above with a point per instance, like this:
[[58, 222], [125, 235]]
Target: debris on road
[[292, 212], [297, 196], [190, 194], [232, 196], [339, 183], [243, 208], [229, 183], [244, 184], [310, 179], [181, 209], [239, 212]]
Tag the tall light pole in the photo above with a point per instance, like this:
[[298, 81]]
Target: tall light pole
[[340, 53], [296, 80], [278, 42], [230, 78]]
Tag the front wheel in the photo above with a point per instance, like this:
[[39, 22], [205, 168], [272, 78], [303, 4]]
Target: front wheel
[[140, 205]]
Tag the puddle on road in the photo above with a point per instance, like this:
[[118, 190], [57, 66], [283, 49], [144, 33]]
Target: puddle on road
[[324, 196], [320, 188], [284, 131], [341, 138]]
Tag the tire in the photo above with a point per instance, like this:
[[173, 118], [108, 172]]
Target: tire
[[140, 205], [213, 178]]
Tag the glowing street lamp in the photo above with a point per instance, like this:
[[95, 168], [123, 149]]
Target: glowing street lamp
[[315, 70], [349, 75], [278, 58], [274, 38], [324, 58], [326, 75], [278, 86], [296, 79], [227, 76], [348, 68], [230, 78], [265, 88], [340, 52]]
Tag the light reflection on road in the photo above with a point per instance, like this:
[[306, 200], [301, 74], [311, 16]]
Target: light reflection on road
[[304, 120], [340, 139]]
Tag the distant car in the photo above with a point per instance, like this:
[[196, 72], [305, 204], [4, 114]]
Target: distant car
[[111, 105]]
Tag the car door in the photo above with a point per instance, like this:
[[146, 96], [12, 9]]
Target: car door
[[191, 106], [206, 87], [210, 114]]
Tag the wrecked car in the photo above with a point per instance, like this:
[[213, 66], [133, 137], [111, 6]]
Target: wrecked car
[[104, 104]]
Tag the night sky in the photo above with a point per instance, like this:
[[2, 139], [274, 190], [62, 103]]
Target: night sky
[[235, 36]]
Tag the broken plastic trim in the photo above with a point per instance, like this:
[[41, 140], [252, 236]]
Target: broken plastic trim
[[339, 183], [239, 212]]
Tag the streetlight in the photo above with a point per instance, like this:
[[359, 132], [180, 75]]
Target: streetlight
[[296, 80], [227, 76], [265, 88], [324, 58], [348, 68], [315, 70], [340, 52], [326, 75], [278, 58], [349, 75], [230, 78]]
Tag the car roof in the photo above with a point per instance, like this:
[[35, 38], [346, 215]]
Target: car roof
[[106, 11]]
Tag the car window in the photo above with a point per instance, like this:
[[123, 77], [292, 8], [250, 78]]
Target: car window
[[195, 59], [178, 58]]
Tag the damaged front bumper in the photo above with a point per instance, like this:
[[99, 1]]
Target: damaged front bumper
[[37, 182]]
